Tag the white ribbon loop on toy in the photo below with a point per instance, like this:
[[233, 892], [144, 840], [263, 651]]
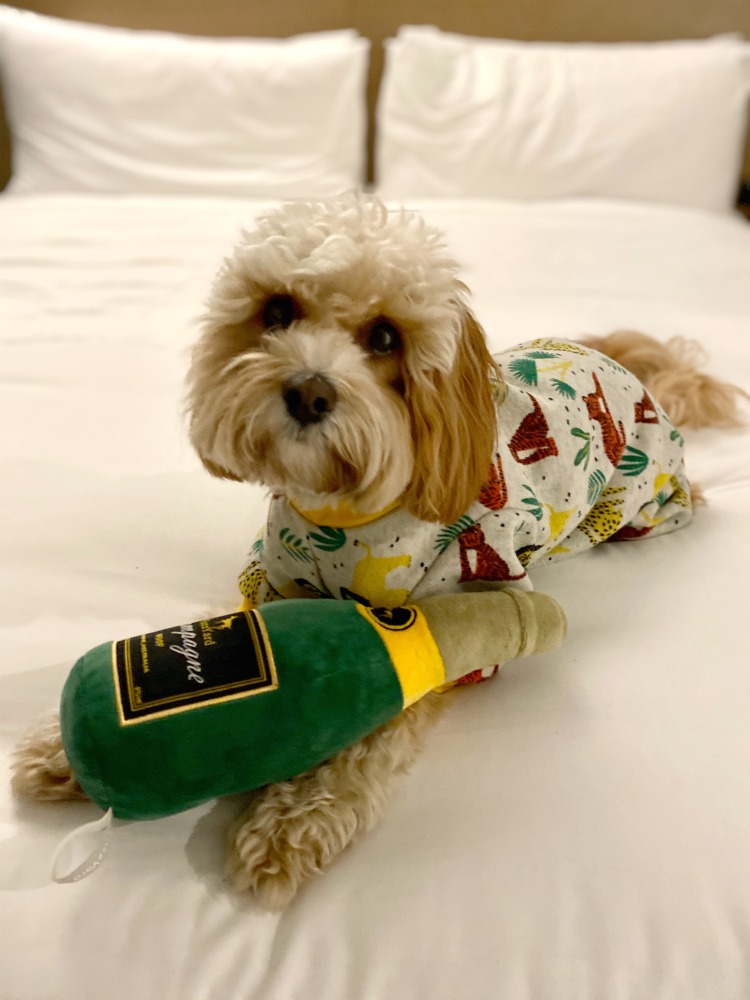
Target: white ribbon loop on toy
[[82, 851]]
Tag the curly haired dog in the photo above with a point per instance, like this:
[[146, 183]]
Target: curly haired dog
[[341, 366]]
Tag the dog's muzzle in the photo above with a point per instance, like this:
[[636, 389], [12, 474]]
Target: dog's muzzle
[[309, 398]]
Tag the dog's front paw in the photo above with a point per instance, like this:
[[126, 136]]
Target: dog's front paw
[[292, 832], [296, 828], [40, 767]]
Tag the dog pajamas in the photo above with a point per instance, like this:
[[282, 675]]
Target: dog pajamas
[[583, 455]]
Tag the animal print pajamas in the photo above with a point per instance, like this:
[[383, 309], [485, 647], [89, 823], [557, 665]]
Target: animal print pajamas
[[583, 455]]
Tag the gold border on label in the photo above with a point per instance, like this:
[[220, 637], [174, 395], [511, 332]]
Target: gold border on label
[[268, 681]]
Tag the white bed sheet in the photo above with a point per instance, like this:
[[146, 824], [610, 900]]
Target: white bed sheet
[[578, 828]]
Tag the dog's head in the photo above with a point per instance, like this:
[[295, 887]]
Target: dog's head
[[339, 361]]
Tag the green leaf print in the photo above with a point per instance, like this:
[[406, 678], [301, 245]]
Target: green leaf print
[[257, 549], [585, 453], [452, 531], [524, 369], [535, 507], [613, 364], [633, 462], [674, 435], [328, 539], [563, 388], [541, 355], [597, 481], [294, 545]]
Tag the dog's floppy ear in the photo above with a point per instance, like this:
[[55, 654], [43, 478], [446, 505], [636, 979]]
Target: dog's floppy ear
[[202, 425], [218, 470], [201, 432], [204, 403], [454, 426]]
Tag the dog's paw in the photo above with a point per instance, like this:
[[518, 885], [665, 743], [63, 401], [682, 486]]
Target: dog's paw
[[40, 767], [292, 832]]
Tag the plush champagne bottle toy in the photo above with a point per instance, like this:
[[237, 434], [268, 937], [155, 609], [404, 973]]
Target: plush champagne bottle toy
[[161, 722]]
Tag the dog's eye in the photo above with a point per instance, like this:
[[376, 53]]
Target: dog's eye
[[279, 311], [383, 338]]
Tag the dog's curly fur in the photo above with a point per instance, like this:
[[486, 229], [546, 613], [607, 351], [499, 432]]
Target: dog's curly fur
[[369, 301]]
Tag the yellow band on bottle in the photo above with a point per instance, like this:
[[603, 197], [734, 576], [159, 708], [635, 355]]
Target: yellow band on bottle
[[411, 646]]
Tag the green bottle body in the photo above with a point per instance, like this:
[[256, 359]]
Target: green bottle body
[[154, 725]]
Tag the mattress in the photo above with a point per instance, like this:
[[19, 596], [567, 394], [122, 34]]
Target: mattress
[[577, 828]]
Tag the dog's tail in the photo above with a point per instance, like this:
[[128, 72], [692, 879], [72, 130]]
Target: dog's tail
[[670, 372]]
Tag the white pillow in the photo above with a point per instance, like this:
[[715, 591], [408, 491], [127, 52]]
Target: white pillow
[[102, 109], [662, 122]]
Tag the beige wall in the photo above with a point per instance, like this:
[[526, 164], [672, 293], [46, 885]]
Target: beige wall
[[559, 20]]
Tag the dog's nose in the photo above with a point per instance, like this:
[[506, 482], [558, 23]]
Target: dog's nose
[[309, 398]]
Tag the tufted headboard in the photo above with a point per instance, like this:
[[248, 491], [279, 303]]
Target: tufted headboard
[[544, 20]]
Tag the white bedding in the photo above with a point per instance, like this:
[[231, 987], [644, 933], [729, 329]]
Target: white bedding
[[578, 829]]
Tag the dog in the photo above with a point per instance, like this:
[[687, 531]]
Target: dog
[[341, 367]]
